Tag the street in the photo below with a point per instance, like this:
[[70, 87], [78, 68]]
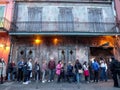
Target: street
[[58, 86]]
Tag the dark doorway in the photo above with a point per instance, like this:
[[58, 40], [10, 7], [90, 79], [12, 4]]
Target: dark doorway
[[104, 52], [101, 51]]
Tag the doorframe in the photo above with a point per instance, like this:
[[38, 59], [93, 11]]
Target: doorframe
[[66, 48]]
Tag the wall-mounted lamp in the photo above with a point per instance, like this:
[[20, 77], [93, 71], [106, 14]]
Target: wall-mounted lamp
[[1, 45], [4, 47], [38, 41], [55, 41]]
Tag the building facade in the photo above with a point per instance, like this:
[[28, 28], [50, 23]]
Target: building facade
[[64, 29], [6, 7]]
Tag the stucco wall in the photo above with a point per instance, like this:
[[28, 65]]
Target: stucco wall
[[4, 37], [8, 8]]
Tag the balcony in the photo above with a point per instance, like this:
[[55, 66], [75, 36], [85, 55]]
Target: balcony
[[81, 1], [63, 27], [4, 24]]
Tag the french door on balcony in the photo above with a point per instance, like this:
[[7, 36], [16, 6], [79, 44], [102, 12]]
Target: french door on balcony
[[67, 54], [95, 17], [34, 19], [65, 18]]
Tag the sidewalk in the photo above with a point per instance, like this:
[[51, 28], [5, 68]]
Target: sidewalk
[[58, 86]]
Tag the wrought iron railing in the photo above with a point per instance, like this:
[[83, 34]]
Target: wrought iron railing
[[65, 27], [5, 24]]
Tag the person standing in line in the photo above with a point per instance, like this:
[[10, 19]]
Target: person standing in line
[[115, 69], [2, 65], [103, 73], [91, 71], [63, 74], [44, 71], [58, 71], [14, 70], [29, 69], [9, 71], [37, 70], [78, 67], [25, 73], [51, 67], [20, 70], [70, 73], [86, 71], [95, 67]]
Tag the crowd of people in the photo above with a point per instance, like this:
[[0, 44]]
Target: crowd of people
[[27, 70]]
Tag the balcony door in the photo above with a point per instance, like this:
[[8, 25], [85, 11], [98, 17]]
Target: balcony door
[[34, 18], [67, 54], [95, 17], [65, 19]]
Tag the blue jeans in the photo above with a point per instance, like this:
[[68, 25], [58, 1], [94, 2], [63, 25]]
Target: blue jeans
[[43, 75], [9, 76], [103, 74], [78, 77], [13, 76], [51, 74]]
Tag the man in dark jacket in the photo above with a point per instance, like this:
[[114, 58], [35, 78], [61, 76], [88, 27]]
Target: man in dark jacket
[[51, 67], [20, 71], [115, 69], [25, 73]]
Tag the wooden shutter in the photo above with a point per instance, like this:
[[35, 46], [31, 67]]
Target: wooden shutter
[[35, 18], [65, 19], [95, 19]]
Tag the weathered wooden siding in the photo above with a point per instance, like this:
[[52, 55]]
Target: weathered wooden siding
[[73, 49], [50, 11], [67, 48], [78, 13]]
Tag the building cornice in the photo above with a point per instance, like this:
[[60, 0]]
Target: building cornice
[[66, 1]]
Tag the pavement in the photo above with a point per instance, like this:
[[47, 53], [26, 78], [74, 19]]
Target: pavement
[[58, 86]]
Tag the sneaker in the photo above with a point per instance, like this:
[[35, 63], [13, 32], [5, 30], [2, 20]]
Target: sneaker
[[43, 81], [25, 82], [52, 80], [91, 81], [48, 80]]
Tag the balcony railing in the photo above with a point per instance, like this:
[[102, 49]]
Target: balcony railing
[[5, 24], [64, 27]]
